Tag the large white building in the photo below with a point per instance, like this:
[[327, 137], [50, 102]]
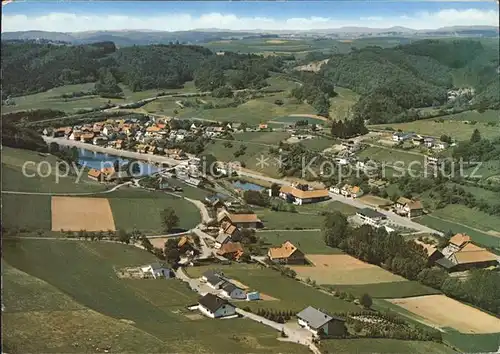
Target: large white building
[[215, 307]]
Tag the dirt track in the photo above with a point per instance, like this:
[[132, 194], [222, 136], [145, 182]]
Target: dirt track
[[443, 311], [75, 214]]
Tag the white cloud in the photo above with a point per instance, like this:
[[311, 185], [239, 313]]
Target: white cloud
[[68, 22]]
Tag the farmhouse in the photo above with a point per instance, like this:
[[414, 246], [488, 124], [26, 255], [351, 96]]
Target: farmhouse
[[157, 270], [461, 254], [301, 194], [351, 191], [239, 220], [433, 254], [409, 208], [232, 291], [231, 250], [213, 279], [287, 253], [215, 307], [399, 136], [371, 217], [321, 324]]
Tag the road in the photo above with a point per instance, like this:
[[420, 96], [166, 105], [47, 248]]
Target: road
[[69, 194], [295, 335], [112, 151]]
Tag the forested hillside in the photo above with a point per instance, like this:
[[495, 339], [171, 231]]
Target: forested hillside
[[158, 66], [28, 67], [31, 67], [394, 80]]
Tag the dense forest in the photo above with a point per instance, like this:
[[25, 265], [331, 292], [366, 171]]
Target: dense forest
[[235, 71], [391, 81], [31, 67]]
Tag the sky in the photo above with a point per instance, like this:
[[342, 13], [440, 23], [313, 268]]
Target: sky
[[76, 16]]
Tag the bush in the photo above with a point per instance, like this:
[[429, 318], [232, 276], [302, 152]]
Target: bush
[[366, 301]]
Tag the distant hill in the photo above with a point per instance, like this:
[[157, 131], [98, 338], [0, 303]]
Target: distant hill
[[144, 37], [127, 38]]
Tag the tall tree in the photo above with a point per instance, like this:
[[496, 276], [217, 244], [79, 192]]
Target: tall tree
[[169, 219], [476, 136]]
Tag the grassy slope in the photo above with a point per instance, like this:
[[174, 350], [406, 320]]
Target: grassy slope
[[157, 308], [474, 218], [477, 236], [51, 98], [452, 125], [292, 295]]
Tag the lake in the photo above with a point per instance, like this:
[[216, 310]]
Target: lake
[[247, 186], [99, 160]]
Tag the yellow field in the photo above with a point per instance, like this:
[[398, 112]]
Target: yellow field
[[343, 269], [75, 214], [442, 311], [276, 41], [374, 201]]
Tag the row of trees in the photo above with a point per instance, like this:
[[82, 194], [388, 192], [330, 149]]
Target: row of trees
[[348, 128]]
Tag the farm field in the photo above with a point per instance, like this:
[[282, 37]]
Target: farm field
[[451, 126], [310, 242], [391, 156], [291, 294], [318, 143], [343, 269], [143, 213], [146, 315], [254, 111], [263, 138], [52, 99], [374, 200], [282, 220], [382, 345], [397, 289], [26, 212], [74, 214], [442, 311], [131, 208], [480, 237], [294, 118], [328, 206]]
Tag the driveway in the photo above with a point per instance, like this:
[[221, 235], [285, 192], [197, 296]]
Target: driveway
[[294, 332]]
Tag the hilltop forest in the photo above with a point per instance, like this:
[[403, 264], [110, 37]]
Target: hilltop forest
[[392, 82], [30, 67]]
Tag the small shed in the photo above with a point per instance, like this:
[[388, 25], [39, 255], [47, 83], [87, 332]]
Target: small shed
[[157, 270], [253, 295]]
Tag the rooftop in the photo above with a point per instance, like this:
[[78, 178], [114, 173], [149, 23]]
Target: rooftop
[[316, 318], [298, 193], [212, 302], [370, 213]]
